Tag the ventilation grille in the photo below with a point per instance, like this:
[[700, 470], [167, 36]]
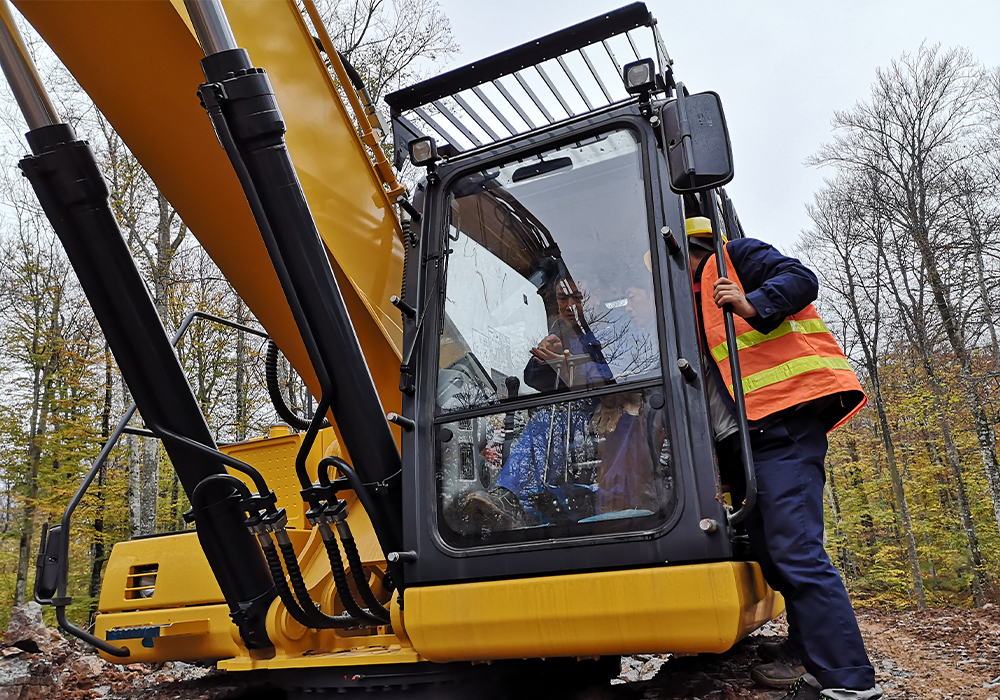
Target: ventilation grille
[[141, 581]]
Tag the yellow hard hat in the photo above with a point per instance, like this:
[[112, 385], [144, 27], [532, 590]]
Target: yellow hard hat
[[701, 227]]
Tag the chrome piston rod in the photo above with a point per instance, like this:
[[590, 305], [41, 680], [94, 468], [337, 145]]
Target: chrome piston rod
[[20, 71], [211, 25]]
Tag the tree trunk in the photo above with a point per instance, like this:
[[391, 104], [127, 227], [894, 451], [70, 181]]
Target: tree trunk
[[917, 337], [97, 548], [134, 481], [984, 429], [869, 347], [38, 425], [242, 419], [149, 482]]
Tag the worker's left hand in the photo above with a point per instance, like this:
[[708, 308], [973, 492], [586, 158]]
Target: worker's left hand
[[728, 292]]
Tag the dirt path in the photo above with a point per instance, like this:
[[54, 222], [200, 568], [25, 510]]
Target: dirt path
[[935, 653], [928, 655]]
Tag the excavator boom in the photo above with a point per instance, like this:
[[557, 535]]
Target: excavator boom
[[153, 55]]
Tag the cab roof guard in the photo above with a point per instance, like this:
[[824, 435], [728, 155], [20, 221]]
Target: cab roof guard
[[558, 77]]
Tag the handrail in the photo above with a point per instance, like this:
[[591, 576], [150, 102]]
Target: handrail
[[382, 166], [749, 472]]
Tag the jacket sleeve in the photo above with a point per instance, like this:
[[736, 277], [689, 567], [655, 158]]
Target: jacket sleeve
[[777, 285]]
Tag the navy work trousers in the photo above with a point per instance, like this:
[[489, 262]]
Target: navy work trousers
[[786, 537]]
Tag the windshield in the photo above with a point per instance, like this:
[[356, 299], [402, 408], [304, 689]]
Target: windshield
[[549, 280], [550, 290]]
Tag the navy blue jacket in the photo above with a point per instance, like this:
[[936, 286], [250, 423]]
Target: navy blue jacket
[[777, 285]]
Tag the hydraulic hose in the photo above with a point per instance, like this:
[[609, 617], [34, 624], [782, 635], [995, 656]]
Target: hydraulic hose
[[404, 223], [340, 580], [361, 582], [307, 442], [350, 547], [280, 582], [318, 618], [274, 391]]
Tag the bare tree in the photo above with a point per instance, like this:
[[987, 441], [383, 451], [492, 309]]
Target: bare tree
[[924, 121], [386, 40], [852, 274]]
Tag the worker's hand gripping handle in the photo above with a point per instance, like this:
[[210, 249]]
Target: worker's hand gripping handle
[[749, 473]]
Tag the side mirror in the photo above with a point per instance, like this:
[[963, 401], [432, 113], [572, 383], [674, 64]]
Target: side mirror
[[697, 142]]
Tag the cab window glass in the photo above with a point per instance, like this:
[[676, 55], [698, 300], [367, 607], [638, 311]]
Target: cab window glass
[[584, 467], [549, 281]]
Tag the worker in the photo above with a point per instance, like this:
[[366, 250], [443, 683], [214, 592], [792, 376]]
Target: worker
[[798, 386], [535, 485], [570, 356]]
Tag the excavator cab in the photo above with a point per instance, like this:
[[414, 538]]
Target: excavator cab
[[555, 431]]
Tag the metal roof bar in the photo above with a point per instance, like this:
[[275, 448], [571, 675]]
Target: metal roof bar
[[446, 113], [632, 44], [534, 98], [513, 103], [555, 91], [478, 119], [597, 77], [572, 78], [496, 112], [612, 55], [422, 113], [529, 54]]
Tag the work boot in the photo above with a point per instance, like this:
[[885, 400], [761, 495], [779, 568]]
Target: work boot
[[808, 688], [779, 650], [496, 509], [777, 674]]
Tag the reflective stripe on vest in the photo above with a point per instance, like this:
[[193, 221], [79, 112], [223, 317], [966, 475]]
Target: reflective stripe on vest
[[798, 362], [746, 340]]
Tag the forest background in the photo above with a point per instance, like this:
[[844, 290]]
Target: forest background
[[905, 238]]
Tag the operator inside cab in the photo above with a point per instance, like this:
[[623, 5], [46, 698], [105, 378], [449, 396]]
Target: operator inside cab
[[549, 310]]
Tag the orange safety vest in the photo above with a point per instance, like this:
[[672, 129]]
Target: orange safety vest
[[797, 362]]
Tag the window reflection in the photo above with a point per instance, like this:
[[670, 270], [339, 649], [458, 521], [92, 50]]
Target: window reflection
[[576, 467], [549, 283]]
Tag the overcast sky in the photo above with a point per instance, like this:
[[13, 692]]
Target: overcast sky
[[781, 68]]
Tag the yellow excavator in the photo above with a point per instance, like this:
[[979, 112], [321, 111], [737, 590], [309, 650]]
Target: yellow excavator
[[511, 457]]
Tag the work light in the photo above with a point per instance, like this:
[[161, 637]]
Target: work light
[[640, 76], [423, 151]]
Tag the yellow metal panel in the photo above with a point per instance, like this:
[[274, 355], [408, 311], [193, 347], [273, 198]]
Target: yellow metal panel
[[346, 196], [274, 458], [688, 609], [144, 74], [183, 576], [202, 633]]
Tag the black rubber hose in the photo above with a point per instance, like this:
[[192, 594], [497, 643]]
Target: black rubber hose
[[274, 391], [307, 442], [340, 580], [318, 618], [375, 607], [281, 583]]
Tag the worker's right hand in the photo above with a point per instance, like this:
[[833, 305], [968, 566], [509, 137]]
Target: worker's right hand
[[549, 349]]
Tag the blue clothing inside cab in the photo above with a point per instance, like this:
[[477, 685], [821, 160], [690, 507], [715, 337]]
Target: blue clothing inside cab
[[789, 449]]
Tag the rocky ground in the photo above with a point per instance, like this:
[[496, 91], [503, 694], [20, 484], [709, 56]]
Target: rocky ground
[[932, 655]]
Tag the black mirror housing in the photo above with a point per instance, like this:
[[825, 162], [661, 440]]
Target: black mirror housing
[[696, 139]]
